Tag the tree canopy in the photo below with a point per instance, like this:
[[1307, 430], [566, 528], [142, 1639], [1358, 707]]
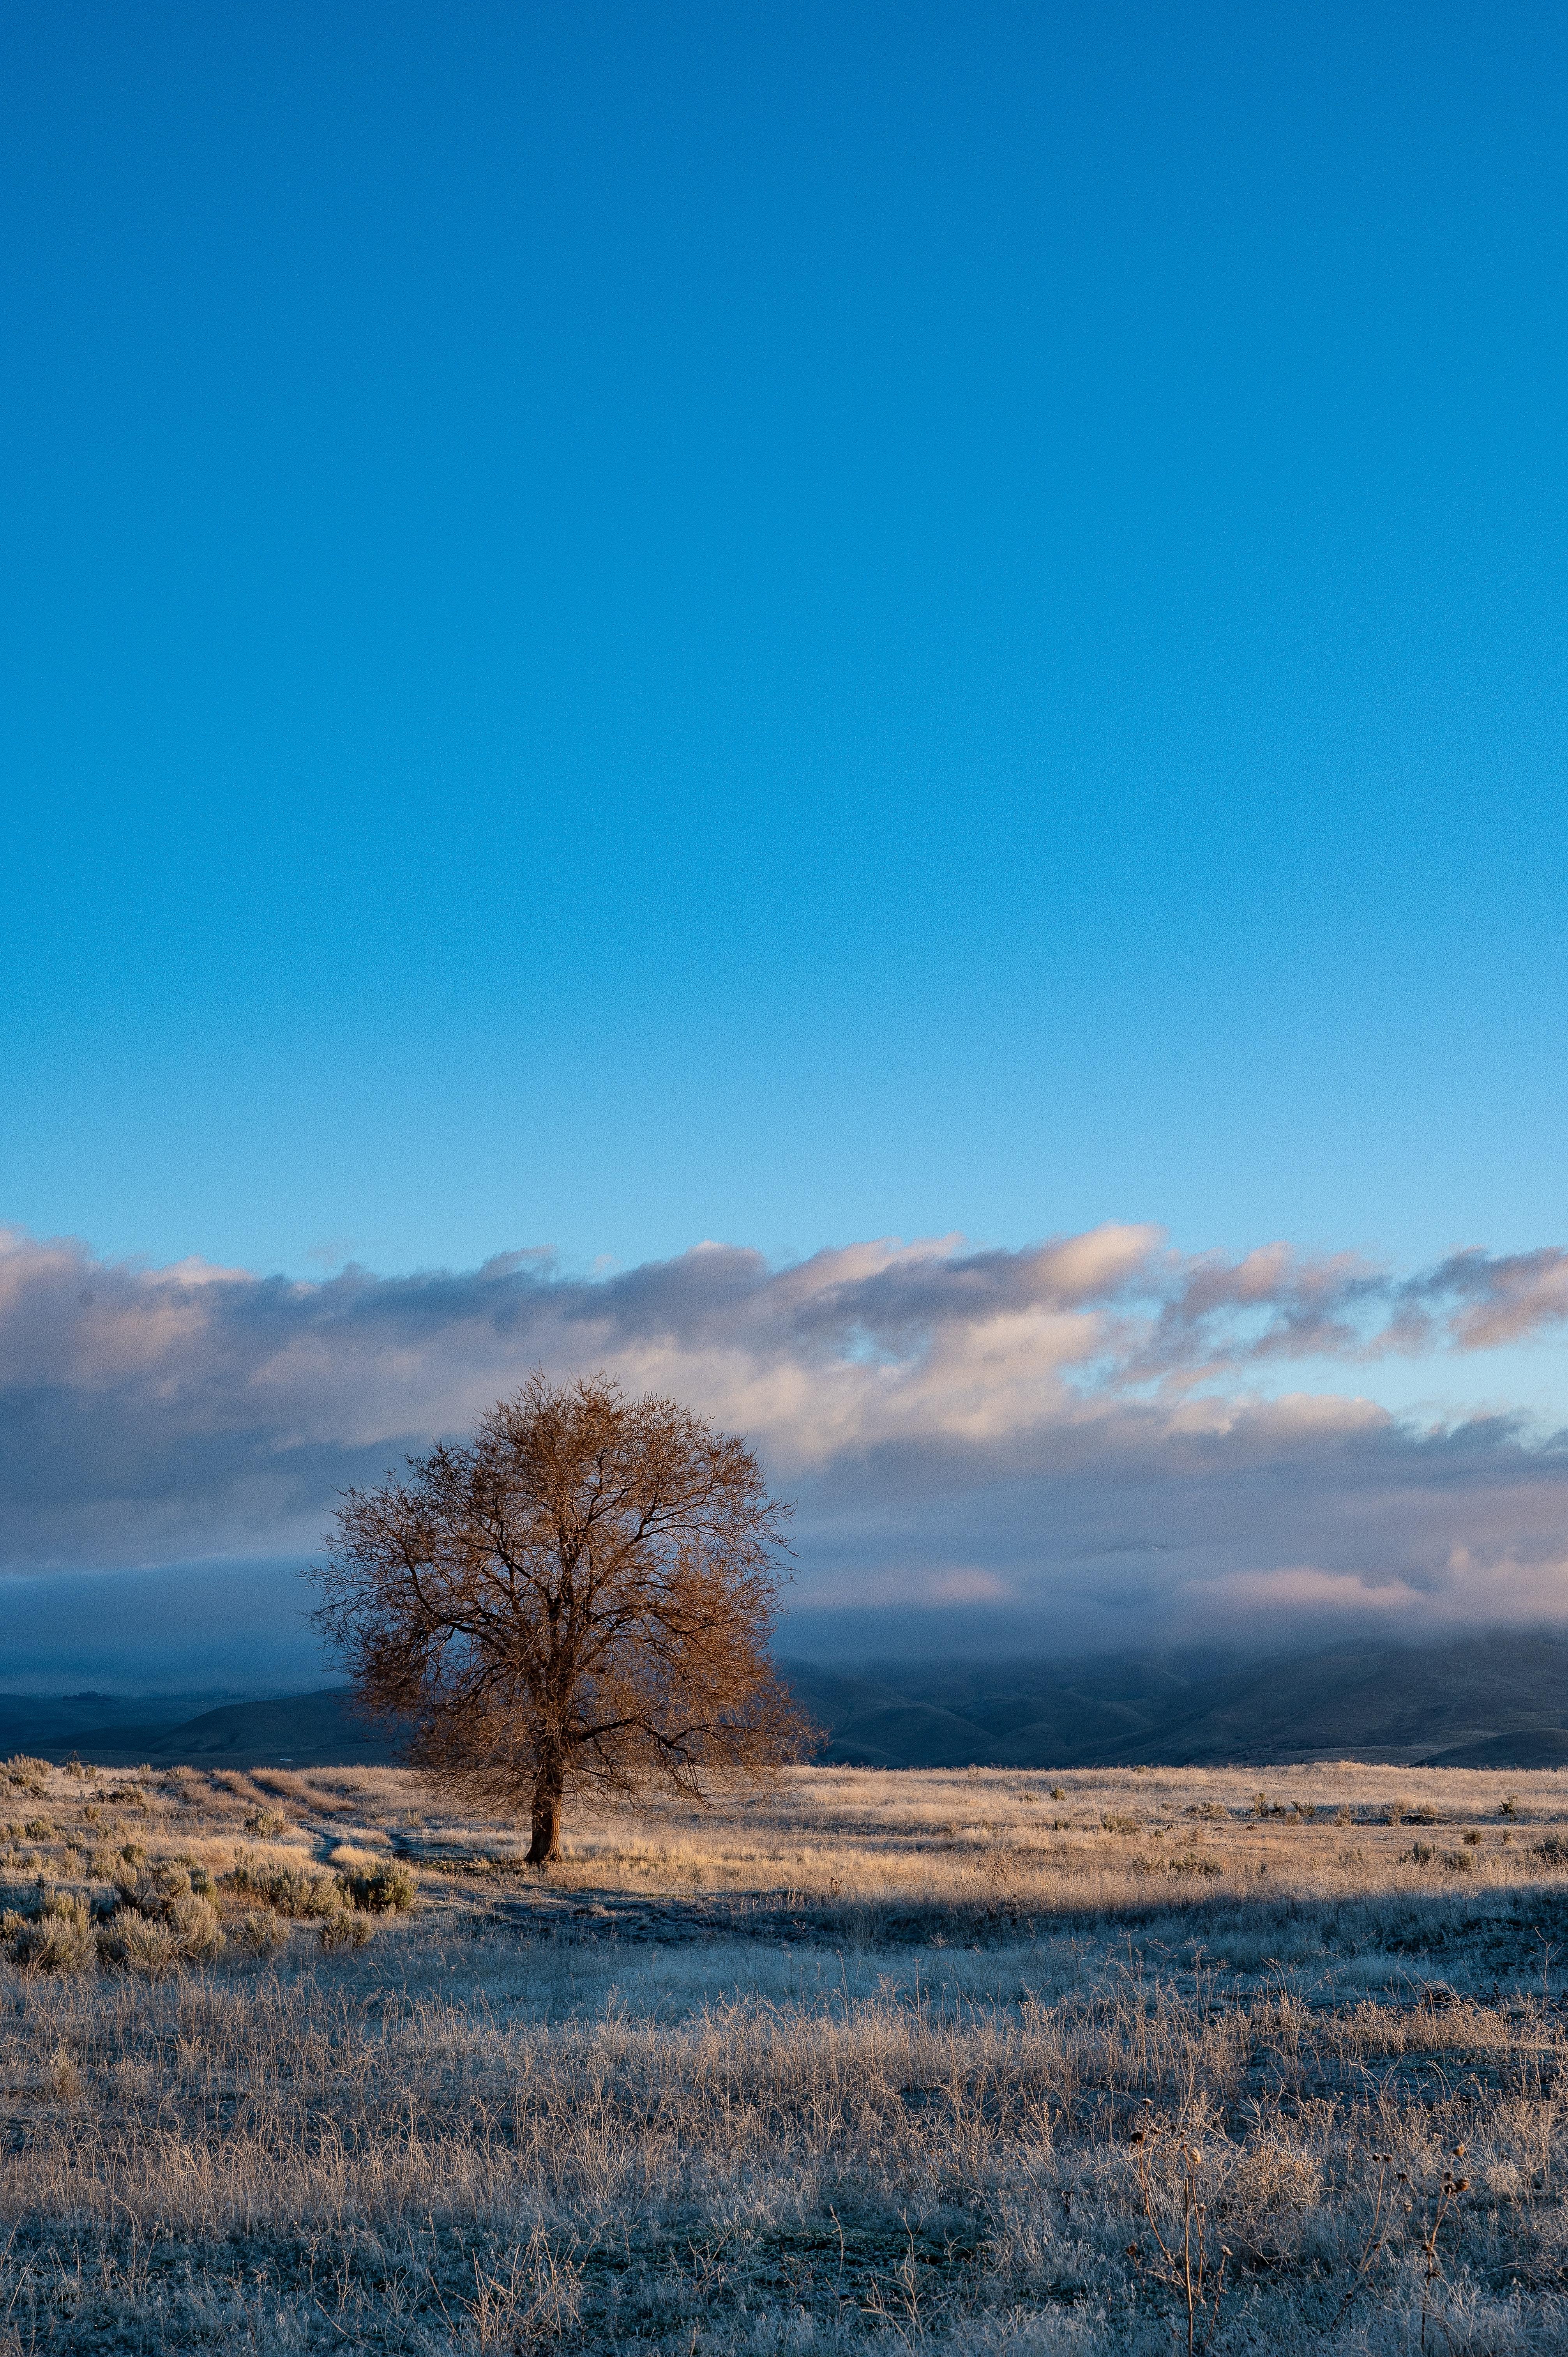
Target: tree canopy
[[579, 1595]]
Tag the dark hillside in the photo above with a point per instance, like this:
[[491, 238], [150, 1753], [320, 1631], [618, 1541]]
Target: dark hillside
[[311, 1730], [1498, 1700], [1494, 1700]]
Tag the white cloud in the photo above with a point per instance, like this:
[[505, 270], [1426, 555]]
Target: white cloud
[[1071, 1427]]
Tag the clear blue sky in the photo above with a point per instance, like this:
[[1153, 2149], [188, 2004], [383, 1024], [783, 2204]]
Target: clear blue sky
[[626, 624]]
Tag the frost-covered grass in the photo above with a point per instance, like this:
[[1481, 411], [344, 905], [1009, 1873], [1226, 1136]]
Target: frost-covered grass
[[936, 2062]]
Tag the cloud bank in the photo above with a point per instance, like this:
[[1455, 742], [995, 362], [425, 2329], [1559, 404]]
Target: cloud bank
[[1075, 1436]]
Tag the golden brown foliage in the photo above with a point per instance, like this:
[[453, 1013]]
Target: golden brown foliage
[[581, 1595]]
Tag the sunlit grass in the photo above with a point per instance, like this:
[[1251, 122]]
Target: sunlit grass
[[868, 2059]]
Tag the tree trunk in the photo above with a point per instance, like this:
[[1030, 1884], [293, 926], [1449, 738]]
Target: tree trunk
[[547, 1791]]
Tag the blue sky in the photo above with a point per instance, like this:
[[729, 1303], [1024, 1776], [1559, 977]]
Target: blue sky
[[626, 626]]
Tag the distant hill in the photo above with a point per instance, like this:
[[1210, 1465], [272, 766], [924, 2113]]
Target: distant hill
[[1496, 1700], [310, 1730], [1486, 1700], [1542, 1747]]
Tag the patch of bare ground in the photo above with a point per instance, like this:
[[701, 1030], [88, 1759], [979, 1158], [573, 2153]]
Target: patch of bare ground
[[988, 2062]]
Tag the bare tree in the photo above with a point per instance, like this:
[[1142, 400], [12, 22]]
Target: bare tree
[[579, 1596]]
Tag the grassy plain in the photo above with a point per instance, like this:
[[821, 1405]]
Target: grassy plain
[[989, 2061]]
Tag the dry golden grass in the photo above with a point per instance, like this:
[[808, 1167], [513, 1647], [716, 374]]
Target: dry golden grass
[[978, 2061]]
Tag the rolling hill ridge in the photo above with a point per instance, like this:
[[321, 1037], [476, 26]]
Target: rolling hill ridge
[[1489, 1700], [1497, 1699]]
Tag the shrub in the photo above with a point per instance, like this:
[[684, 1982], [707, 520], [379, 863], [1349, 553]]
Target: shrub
[[301, 1892], [58, 1937], [258, 1932], [266, 1824], [137, 1945], [38, 1829], [1551, 1850], [196, 1928], [27, 1774], [1114, 1825], [181, 1928], [1425, 1815], [1472, 1836], [162, 1898], [346, 1930], [388, 1888], [54, 1945], [152, 1890]]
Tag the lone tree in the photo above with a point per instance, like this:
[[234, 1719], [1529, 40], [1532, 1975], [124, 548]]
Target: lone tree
[[580, 1595]]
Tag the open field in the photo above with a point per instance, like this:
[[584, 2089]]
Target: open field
[[970, 2061]]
